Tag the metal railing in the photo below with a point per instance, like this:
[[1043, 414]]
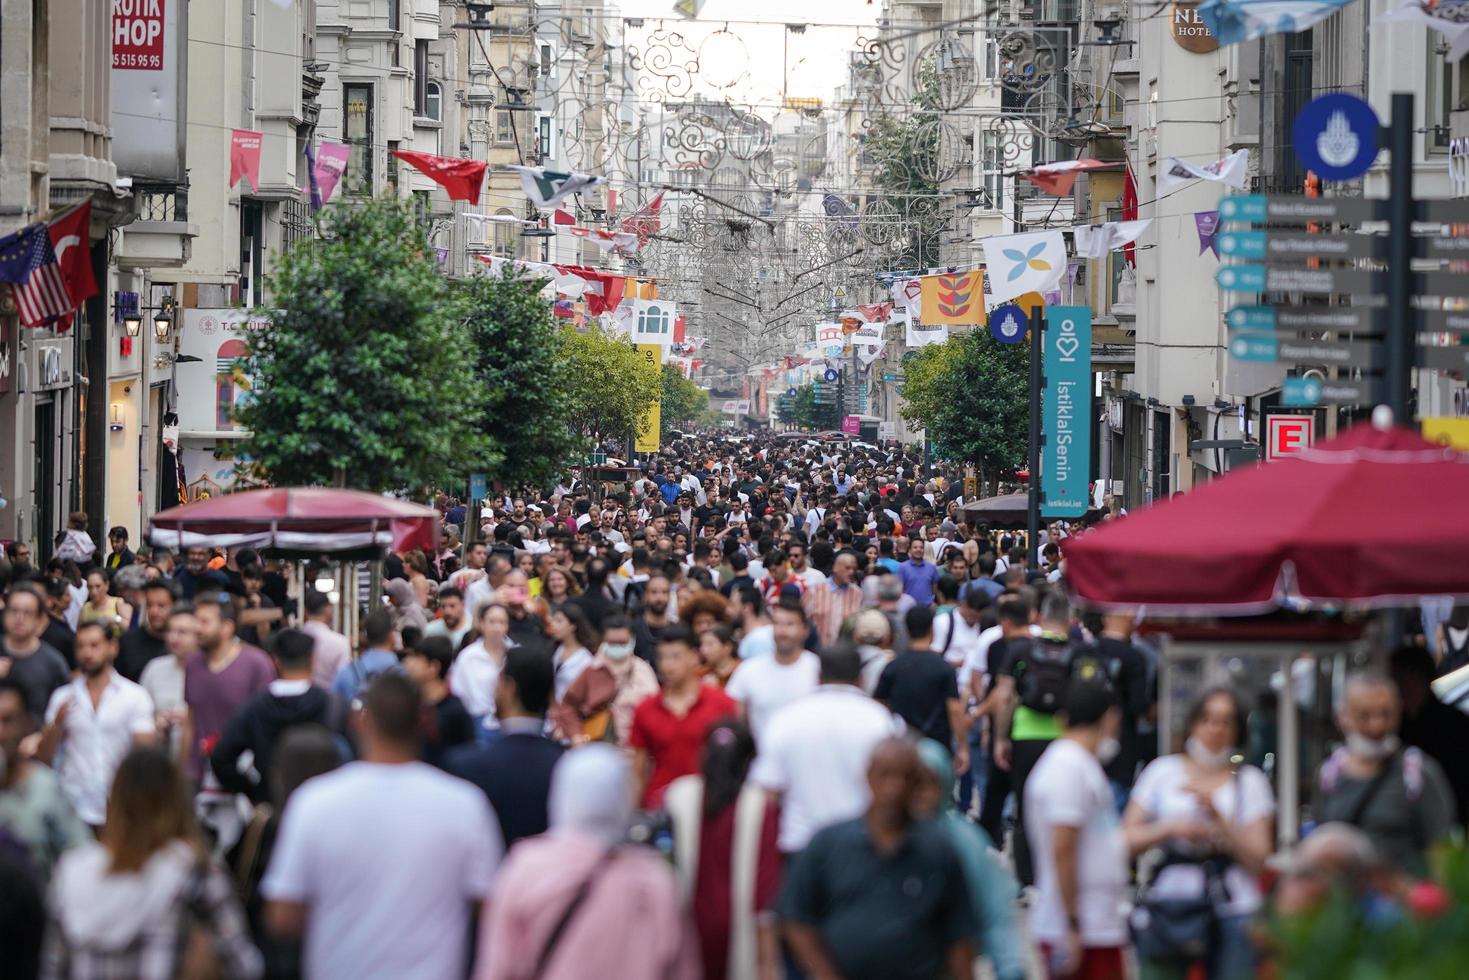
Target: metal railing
[[162, 202]]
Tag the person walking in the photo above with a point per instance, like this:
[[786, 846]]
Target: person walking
[[24, 658], [573, 901], [431, 843], [330, 651], [145, 900], [764, 685], [1213, 820], [378, 658], [34, 810], [446, 723], [668, 728], [93, 722], [881, 896], [1399, 797], [922, 689], [601, 702], [725, 846], [1076, 842], [514, 768]]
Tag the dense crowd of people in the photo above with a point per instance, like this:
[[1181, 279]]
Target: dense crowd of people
[[760, 708]]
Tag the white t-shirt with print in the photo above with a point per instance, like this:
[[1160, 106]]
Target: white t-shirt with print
[[765, 685], [1242, 800], [1068, 788]]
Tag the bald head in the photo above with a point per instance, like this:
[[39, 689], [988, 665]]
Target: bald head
[[893, 776]]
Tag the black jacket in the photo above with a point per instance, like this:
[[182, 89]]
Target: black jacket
[[257, 726]]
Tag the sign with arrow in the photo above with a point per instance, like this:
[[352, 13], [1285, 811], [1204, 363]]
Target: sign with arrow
[[1262, 279], [1295, 209], [1338, 353], [1306, 392], [1285, 319], [1274, 246]]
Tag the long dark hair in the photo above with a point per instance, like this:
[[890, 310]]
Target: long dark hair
[[729, 748]]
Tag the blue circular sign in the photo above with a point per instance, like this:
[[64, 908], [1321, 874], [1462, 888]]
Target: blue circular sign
[[1008, 323], [792, 392], [830, 375], [1335, 136]]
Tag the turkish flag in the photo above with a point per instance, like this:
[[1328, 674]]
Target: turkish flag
[[71, 240], [561, 217], [461, 178], [679, 326]]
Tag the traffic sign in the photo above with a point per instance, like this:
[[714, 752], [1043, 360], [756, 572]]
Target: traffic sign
[[1285, 319], [830, 375], [890, 376], [1278, 246], [1444, 358], [1260, 279], [1338, 353], [1335, 136], [1295, 209], [1008, 324], [792, 392], [1257, 348]]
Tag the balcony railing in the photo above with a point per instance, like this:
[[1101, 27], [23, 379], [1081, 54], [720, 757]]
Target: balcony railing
[[162, 202]]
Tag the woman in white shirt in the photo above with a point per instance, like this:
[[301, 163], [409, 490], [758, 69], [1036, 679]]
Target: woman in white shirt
[[1204, 809], [575, 638]]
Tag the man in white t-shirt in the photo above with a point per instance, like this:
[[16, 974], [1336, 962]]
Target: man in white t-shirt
[[394, 895], [764, 685], [814, 753], [1076, 841], [956, 634]]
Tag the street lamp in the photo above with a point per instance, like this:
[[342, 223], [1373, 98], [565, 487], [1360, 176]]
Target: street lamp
[[132, 324], [163, 320]]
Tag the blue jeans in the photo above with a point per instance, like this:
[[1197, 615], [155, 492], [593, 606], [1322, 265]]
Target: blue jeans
[[1233, 957], [975, 777]]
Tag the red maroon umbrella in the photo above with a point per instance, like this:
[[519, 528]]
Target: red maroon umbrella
[[311, 519], [1373, 517]]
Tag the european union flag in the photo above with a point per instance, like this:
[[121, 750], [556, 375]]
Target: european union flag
[[23, 252]]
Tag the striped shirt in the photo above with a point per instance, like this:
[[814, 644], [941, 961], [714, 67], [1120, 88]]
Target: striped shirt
[[828, 605]]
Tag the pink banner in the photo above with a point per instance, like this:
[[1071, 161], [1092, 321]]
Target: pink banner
[[245, 157], [331, 164]]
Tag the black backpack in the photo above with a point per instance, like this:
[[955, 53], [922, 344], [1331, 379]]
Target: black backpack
[[1045, 672]]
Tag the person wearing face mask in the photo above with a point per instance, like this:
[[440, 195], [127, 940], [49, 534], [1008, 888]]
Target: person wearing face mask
[[1398, 797], [599, 704], [1076, 842], [1213, 821]]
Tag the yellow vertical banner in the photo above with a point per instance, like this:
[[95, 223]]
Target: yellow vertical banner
[[646, 437]]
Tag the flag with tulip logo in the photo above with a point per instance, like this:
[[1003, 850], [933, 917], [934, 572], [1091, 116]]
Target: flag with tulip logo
[[953, 299], [1031, 263]]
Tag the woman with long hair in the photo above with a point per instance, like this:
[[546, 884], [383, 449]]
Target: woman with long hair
[[100, 604], [1213, 819], [575, 639], [415, 566], [724, 845], [146, 901], [558, 586]]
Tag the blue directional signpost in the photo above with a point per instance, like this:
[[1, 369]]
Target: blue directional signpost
[[1291, 249], [1066, 456]]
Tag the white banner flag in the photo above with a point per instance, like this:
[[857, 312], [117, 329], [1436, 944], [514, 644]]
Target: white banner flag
[[920, 335], [1095, 241], [1018, 264], [653, 321], [1232, 171], [548, 188]]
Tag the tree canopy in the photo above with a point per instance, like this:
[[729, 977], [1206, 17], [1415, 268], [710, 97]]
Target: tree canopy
[[682, 402], [523, 380], [969, 393], [608, 385], [363, 374]]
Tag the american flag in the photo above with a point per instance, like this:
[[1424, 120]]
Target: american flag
[[28, 263]]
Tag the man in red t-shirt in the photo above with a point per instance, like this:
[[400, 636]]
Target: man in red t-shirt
[[668, 728]]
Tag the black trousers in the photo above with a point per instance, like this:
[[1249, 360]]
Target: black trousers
[[992, 807], [1023, 757]]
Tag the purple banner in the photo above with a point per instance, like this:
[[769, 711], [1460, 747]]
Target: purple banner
[[1207, 223]]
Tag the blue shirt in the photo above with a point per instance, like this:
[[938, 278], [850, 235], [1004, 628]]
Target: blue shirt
[[918, 579], [354, 675], [889, 565], [988, 586]]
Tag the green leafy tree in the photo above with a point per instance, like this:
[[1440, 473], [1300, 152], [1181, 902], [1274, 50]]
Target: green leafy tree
[[520, 371], [904, 150], [803, 410], [362, 376], [681, 401], [969, 393], [609, 384]]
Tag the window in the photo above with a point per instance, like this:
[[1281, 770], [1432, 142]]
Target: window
[[543, 137], [547, 61], [506, 233], [992, 171], [252, 253], [433, 101], [1116, 265], [504, 126], [357, 129], [423, 207], [420, 78], [391, 177], [1440, 89]]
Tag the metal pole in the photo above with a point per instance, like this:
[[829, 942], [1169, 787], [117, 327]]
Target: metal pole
[[1037, 383], [1401, 318]]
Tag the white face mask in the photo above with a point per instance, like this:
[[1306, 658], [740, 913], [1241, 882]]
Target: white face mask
[[618, 651], [1204, 757], [1371, 749], [1107, 749]]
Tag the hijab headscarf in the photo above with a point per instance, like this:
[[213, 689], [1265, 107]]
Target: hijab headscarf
[[591, 793], [935, 759]]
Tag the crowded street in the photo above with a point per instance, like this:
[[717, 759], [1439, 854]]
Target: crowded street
[[734, 490]]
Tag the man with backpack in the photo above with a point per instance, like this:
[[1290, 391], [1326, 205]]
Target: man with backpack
[[1398, 797], [1030, 688]]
